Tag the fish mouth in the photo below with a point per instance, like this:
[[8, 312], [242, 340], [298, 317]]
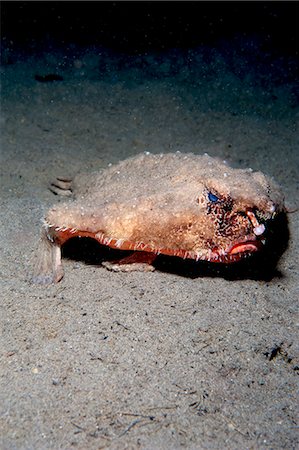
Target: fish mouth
[[239, 250], [252, 243], [249, 246], [242, 249], [245, 245]]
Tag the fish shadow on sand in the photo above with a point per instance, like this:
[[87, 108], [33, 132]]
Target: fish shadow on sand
[[261, 266]]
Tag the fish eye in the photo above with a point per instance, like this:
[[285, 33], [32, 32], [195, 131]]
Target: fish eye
[[212, 198]]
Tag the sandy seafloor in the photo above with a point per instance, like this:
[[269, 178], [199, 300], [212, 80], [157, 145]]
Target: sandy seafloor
[[157, 360]]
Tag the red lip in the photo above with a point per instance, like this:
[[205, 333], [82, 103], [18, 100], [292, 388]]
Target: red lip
[[237, 251], [242, 247]]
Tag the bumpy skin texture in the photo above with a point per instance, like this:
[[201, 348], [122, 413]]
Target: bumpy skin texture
[[178, 204]]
